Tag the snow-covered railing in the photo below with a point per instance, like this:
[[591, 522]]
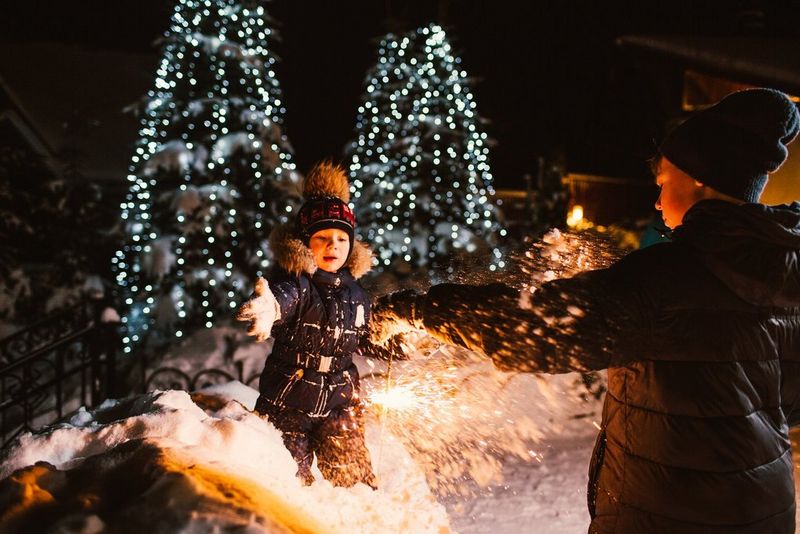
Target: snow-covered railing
[[55, 366], [191, 367], [165, 378]]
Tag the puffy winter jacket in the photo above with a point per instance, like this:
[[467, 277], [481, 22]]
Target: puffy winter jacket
[[323, 322], [701, 339]]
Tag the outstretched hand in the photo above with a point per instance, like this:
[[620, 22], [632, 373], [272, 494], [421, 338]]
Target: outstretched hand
[[394, 314], [261, 311]]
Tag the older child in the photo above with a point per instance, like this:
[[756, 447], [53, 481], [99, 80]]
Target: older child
[[318, 315]]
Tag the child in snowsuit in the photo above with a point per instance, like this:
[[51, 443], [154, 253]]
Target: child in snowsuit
[[318, 315]]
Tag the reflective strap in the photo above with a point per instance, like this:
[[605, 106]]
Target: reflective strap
[[325, 364], [318, 363]]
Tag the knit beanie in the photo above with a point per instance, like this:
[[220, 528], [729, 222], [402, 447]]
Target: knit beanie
[[735, 143], [327, 192]]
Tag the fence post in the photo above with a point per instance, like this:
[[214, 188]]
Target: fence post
[[104, 343]]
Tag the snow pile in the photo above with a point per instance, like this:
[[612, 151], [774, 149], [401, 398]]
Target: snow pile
[[167, 461]]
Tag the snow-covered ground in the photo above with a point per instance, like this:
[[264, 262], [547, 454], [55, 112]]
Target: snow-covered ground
[[475, 449], [547, 497], [173, 461], [169, 462]]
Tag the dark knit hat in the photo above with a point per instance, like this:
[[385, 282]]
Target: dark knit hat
[[735, 143], [321, 213], [327, 192]]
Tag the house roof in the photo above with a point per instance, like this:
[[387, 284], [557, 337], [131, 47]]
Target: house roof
[[54, 84], [773, 62]]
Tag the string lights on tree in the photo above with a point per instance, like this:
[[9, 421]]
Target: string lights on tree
[[420, 162], [211, 174]]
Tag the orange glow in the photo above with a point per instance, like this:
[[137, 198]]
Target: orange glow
[[575, 216]]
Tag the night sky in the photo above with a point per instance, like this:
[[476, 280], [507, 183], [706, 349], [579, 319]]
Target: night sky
[[548, 75]]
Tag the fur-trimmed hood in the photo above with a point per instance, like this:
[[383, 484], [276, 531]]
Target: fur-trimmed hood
[[296, 258]]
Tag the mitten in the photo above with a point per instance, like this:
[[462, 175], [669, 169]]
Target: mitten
[[261, 311], [394, 314]]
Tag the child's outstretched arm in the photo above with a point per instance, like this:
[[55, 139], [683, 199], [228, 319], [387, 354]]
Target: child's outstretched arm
[[261, 311]]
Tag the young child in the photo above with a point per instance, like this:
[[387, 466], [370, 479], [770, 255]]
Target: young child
[[318, 315]]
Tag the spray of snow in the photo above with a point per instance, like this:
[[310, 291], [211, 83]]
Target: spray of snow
[[563, 255], [462, 419]]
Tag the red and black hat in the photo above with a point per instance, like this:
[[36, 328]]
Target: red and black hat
[[327, 192], [321, 213]]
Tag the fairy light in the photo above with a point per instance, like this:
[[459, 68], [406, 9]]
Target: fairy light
[[216, 104], [419, 163]]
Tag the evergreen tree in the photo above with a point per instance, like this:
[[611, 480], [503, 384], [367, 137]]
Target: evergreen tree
[[55, 231], [211, 175], [419, 164]]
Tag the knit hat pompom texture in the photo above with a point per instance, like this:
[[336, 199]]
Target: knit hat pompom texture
[[735, 143], [327, 192]]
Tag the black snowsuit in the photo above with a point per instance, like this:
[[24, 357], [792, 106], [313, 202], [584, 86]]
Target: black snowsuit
[[309, 386], [701, 339]]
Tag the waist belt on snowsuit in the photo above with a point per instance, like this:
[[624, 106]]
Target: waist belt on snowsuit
[[317, 362]]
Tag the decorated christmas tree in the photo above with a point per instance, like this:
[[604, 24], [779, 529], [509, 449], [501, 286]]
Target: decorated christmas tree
[[212, 172], [419, 163]]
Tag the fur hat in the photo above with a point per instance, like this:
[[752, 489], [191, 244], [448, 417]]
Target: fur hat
[[327, 192], [734, 144]]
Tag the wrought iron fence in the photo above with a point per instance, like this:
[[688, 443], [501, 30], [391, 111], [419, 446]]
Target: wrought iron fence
[[174, 378], [70, 360], [158, 371], [55, 366]]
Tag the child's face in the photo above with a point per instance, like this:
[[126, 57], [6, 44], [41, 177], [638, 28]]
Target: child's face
[[330, 248], [679, 192]]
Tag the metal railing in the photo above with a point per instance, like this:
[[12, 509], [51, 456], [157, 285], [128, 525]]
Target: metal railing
[[173, 378], [63, 362], [69, 360]]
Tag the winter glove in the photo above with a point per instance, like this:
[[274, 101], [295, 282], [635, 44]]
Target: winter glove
[[262, 310], [394, 314]]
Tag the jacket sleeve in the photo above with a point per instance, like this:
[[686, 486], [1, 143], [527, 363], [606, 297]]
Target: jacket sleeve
[[288, 293], [790, 389], [392, 350], [576, 324]]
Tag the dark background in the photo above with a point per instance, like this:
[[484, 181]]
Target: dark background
[[548, 75]]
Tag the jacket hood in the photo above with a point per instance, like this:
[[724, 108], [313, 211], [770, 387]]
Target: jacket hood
[[753, 249], [296, 258]]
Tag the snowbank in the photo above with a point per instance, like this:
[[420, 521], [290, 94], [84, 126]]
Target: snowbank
[[167, 461]]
